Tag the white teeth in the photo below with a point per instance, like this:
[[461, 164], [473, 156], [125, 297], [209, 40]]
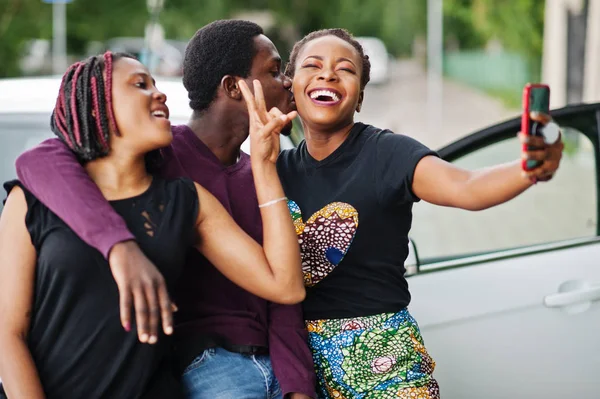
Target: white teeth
[[160, 114], [325, 93]]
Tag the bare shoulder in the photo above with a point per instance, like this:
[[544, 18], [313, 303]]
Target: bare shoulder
[[209, 205], [16, 202]]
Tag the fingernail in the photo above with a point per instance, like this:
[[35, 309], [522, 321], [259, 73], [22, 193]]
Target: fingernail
[[152, 339], [144, 337], [127, 327], [169, 330], [283, 117]]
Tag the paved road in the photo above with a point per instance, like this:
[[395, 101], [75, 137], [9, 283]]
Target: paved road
[[401, 106]]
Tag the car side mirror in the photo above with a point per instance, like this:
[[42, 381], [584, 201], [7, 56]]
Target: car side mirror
[[412, 260]]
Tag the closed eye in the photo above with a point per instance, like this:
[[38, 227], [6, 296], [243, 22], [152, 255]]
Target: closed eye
[[309, 66]]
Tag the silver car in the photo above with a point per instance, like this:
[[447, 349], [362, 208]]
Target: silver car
[[507, 298]]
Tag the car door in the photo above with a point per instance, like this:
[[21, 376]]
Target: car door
[[508, 298]]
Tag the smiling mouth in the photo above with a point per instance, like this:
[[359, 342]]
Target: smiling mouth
[[160, 114], [325, 96]]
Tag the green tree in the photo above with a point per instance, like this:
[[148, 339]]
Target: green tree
[[396, 22], [468, 23], [20, 20], [517, 24], [460, 28]]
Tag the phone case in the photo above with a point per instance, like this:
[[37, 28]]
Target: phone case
[[536, 97]]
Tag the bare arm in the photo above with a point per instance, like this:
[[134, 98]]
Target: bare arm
[[17, 268], [273, 272], [441, 183]]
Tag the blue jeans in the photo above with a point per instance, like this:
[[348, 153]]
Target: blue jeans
[[220, 374]]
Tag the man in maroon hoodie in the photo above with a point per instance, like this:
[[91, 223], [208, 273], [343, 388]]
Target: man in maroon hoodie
[[229, 343]]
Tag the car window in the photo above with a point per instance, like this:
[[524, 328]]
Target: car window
[[19, 132], [563, 209]]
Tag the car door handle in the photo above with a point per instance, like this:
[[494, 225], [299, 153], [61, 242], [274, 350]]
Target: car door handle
[[572, 297]]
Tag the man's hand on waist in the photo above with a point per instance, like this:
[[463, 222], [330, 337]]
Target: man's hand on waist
[[143, 286]]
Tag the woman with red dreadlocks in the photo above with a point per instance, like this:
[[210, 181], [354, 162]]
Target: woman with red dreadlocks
[[61, 335]]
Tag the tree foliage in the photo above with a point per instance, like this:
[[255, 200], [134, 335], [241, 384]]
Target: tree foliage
[[469, 23], [517, 24], [19, 21]]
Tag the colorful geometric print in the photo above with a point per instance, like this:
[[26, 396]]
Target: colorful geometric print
[[324, 239], [373, 357]]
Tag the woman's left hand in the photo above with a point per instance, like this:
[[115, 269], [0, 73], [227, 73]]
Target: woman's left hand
[[549, 155]]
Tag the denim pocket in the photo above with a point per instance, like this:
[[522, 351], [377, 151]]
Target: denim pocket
[[198, 361]]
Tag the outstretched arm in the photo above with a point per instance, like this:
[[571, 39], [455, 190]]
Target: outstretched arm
[[441, 183], [17, 268]]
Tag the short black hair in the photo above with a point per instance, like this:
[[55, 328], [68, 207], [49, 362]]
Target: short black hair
[[337, 32], [223, 47]]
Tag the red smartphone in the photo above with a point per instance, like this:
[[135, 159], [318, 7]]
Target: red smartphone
[[536, 97]]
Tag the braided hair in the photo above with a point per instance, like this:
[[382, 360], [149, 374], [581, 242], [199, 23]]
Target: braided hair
[[83, 116]]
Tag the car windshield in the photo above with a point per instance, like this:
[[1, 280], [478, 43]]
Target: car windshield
[[19, 132]]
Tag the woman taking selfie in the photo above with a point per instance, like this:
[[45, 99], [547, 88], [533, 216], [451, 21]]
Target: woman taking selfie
[[351, 188]]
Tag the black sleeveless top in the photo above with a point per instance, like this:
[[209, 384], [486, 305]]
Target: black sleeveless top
[[76, 339]]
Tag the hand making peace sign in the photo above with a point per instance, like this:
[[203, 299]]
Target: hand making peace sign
[[264, 126]]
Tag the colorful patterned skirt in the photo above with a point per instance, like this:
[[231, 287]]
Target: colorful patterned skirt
[[373, 357]]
